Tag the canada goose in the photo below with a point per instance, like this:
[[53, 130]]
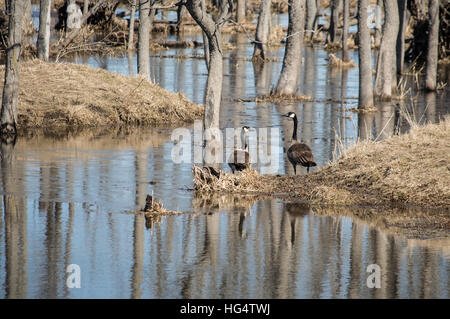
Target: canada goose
[[240, 159], [299, 153]]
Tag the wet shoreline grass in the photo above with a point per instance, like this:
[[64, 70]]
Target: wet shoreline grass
[[409, 171], [61, 96]]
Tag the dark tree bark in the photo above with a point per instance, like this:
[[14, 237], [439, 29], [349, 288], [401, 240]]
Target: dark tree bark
[[43, 42], [131, 26], [433, 43], [10, 98], [404, 21], [387, 62], [345, 31], [262, 31], [365, 57], [290, 72], [334, 20]]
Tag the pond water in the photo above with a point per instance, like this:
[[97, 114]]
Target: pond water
[[69, 200]]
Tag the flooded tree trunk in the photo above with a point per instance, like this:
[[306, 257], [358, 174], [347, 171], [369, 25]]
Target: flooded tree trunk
[[43, 42], [345, 31], [311, 12], [240, 11], [213, 32], [365, 57], [387, 61], [433, 42], [334, 21], [404, 21], [287, 83], [262, 32], [146, 16], [131, 27], [10, 98]]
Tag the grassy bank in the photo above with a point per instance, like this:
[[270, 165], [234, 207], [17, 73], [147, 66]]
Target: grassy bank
[[63, 95], [407, 170]]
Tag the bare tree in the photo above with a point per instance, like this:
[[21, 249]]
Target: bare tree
[[290, 72], [213, 31], [131, 27], [146, 15], [10, 99], [240, 11], [385, 80], [345, 31], [334, 20], [43, 42], [311, 12], [262, 31], [433, 43], [71, 36], [365, 57], [85, 7], [404, 21]]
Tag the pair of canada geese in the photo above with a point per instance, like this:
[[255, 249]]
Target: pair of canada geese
[[298, 153]]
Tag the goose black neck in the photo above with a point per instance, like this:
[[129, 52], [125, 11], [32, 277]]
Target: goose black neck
[[244, 137], [294, 134]]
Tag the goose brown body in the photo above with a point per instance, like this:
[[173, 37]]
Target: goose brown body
[[299, 153]]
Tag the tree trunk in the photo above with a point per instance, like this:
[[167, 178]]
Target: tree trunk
[[290, 72], [365, 57], [387, 62], [145, 21], [433, 42], [240, 11], [10, 98], [213, 32], [378, 22], [334, 21], [182, 15], [131, 27], [404, 21], [43, 42], [345, 31], [311, 11], [262, 31], [85, 7]]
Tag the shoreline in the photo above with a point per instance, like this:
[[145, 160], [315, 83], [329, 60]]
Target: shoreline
[[68, 97], [408, 172]]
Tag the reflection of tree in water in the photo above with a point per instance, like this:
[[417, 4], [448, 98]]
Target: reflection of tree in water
[[15, 219]]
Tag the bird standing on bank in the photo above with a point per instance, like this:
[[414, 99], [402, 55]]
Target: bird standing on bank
[[299, 153], [240, 159]]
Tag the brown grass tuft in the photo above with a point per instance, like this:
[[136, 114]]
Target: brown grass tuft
[[64, 95], [333, 60]]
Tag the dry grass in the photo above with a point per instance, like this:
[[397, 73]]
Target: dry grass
[[209, 179], [154, 212], [411, 223], [275, 98], [63, 95], [333, 60], [407, 170]]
